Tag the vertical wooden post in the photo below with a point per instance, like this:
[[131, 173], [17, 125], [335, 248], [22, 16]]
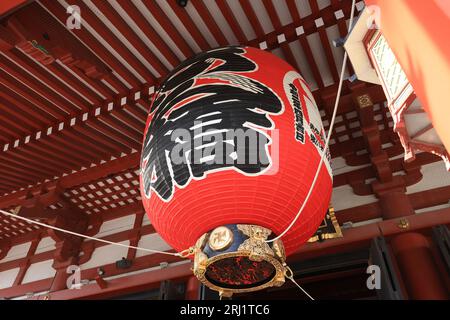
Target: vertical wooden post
[[418, 268], [192, 289]]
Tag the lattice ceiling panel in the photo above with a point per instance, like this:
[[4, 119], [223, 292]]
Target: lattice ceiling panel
[[11, 227], [107, 194]]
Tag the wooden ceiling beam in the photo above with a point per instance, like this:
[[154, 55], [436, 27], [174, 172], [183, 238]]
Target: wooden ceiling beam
[[23, 164], [98, 139], [114, 133], [132, 283], [189, 24], [304, 45], [7, 6], [80, 146], [49, 73], [360, 237], [160, 16], [343, 30], [91, 42], [25, 119], [419, 200], [209, 21], [149, 31], [325, 42], [75, 179], [308, 24], [11, 181], [112, 39], [113, 16], [41, 105], [252, 18], [232, 21], [12, 126], [287, 52], [127, 127], [43, 90], [39, 158]]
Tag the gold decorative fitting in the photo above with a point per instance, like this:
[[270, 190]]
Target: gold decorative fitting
[[220, 238], [328, 229], [216, 252], [256, 244], [364, 101], [403, 223], [188, 252]]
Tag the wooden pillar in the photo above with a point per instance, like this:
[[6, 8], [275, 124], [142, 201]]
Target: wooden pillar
[[416, 265], [394, 202], [192, 288], [418, 268], [26, 263], [61, 276]]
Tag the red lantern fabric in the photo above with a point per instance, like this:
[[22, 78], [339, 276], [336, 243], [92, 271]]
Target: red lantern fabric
[[234, 88]]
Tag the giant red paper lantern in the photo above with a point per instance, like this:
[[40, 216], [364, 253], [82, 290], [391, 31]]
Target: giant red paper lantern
[[230, 183]]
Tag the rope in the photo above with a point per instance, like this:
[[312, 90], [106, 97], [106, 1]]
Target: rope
[[290, 275], [304, 291], [182, 254], [333, 118]]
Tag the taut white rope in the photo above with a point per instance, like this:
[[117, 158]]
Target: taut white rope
[[304, 291], [9, 214], [290, 275], [330, 130]]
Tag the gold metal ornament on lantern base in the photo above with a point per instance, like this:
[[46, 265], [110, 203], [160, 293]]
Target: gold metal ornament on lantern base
[[237, 259]]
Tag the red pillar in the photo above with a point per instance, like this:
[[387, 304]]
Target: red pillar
[[192, 289], [60, 280], [416, 264], [418, 269], [395, 204]]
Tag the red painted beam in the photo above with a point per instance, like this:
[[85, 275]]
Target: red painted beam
[[325, 43], [210, 22], [232, 21], [125, 285], [353, 239], [36, 286], [276, 22], [360, 237], [304, 44], [189, 24], [7, 6]]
